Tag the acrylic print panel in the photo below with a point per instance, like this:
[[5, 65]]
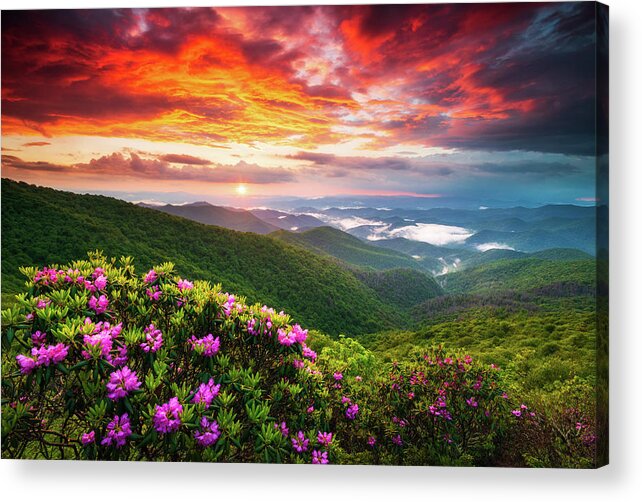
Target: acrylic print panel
[[319, 234]]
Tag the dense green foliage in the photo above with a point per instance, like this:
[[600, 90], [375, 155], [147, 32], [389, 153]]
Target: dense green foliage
[[41, 225], [523, 274], [401, 287], [333, 242]]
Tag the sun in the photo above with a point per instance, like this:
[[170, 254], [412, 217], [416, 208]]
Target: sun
[[241, 189]]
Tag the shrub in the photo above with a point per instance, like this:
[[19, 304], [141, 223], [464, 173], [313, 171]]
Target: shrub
[[101, 363]]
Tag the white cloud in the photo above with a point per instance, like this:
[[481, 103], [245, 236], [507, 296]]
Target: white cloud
[[487, 246]]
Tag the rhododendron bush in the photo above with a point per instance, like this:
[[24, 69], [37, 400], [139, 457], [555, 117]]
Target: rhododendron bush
[[102, 362]]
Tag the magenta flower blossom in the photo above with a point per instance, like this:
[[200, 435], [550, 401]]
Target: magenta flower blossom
[[210, 344], [471, 402], [100, 282], [38, 338], [308, 353], [319, 457], [118, 430], [88, 438], [324, 438], [300, 334], [345, 400], [358, 378], [27, 364], [151, 276], [184, 285], [517, 413], [397, 440], [43, 303], [310, 409], [352, 411], [298, 364], [154, 293], [338, 376], [372, 440], [300, 443], [206, 393], [283, 427], [154, 339], [167, 416], [121, 383], [208, 434], [99, 305], [286, 338], [45, 356]]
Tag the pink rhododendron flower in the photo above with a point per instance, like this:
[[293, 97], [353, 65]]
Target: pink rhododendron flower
[[319, 457], [167, 416], [286, 338], [352, 411], [298, 364], [184, 285], [471, 402], [27, 364], [308, 353], [358, 378], [372, 440], [310, 409], [151, 276], [300, 334], [154, 339], [208, 434], [517, 413], [118, 430], [88, 438], [209, 344], [206, 393], [154, 293], [121, 383], [100, 282], [397, 440], [300, 443], [38, 338], [99, 305], [53, 354], [324, 438], [338, 376], [283, 427]]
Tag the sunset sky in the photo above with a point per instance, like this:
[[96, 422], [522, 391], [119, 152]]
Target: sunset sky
[[489, 101]]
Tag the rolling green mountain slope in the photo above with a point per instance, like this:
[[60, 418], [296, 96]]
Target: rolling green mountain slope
[[401, 287], [330, 241], [522, 275], [234, 219], [48, 226]]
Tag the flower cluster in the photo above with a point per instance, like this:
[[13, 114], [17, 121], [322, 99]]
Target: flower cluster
[[98, 305], [206, 393], [118, 430], [208, 433], [167, 417], [208, 345], [121, 383], [42, 356], [153, 339], [300, 443]]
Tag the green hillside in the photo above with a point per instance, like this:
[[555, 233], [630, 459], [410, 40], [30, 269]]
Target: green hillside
[[48, 226], [401, 287], [524, 274], [334, 242], [234, 219]]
